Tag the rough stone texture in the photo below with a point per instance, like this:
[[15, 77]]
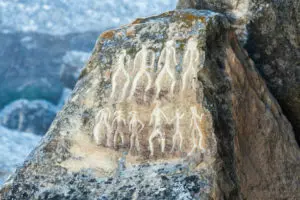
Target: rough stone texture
[[273, 33], [236, 143], [28, 116]]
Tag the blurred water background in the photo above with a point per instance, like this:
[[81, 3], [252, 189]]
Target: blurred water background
[[44, 45]]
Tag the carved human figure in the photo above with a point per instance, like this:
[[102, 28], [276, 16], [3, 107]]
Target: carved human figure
[[167, 63], [120, 71], [196, 129], [120, 123], [135, 127], [144, 61], [102, 127], [178, 134], [158, 119], [191, 61]]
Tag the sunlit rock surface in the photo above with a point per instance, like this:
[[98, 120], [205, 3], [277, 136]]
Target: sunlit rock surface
[[168, 107]]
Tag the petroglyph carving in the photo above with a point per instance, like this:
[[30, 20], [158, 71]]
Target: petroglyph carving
[[102, 127], [195, 121], [144, 60], [120, 71], [111, 128], [120, 123], [167, 62], [191, 61], [159, 118], [135, 127], [178, 134]]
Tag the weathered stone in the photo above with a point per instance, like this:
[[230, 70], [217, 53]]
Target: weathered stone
[[168, 107], [273, 39]]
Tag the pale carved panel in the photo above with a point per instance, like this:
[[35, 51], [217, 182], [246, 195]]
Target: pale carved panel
[[154, 104]]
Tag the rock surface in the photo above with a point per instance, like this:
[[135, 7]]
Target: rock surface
[[168, 107], [272, 41]]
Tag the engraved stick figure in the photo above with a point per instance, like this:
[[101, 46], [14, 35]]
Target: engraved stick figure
[[120, 122], [167, 61], [195, 120], [135, 127], [144, 59], [190, 64], [120, 71], [158, 117], [102, 126], [178, 134]]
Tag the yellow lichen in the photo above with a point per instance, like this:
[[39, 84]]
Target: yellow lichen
[[108, 34], [137, 21]]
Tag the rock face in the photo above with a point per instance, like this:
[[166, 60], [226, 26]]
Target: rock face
[[273, 42], [28, 116], [168, 107]]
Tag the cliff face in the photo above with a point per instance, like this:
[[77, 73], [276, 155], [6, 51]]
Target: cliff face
[[270, 30], [168, 107]]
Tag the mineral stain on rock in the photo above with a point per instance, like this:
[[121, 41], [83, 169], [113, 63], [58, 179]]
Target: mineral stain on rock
[[138, 128]]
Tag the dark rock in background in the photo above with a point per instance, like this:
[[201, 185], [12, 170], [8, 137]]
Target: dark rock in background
[[273, 43], [31, 64], [71, 67], [28, 116]]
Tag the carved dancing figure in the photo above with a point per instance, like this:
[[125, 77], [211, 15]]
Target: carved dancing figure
[[178, 134], [167, 62], [135, 127], [102, 127], [158, 117], [119, 72], [190, 64], [144, 60], [120, 122], [195, 120]]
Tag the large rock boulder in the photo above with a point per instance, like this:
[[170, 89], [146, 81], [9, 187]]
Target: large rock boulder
[[168, 107], [271, 32]]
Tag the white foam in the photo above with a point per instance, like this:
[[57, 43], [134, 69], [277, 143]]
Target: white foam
[[15, 147]]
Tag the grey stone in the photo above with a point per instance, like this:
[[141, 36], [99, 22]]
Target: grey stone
[[246, 147], [273, 32]]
